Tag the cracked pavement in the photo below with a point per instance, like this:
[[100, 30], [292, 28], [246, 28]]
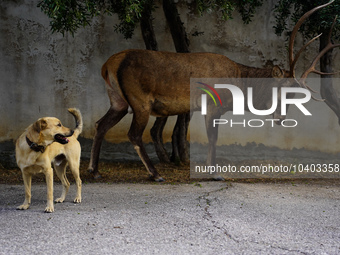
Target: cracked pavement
[[202, 218]]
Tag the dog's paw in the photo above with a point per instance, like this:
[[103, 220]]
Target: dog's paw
[[23, 207], [77, 200], [49, 209], [59, 200]]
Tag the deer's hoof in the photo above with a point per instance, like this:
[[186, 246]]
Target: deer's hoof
[[96, 175], [159, 179], [218, 178]]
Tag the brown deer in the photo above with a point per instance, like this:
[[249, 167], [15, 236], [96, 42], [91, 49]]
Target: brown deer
[[158, 83], [179, 153]]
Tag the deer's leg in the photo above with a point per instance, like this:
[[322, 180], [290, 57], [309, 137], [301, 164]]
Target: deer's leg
[[212, 133], [135, 134], [179, 139], [183, 145], [156, 134], [175, 145], [111, 118]]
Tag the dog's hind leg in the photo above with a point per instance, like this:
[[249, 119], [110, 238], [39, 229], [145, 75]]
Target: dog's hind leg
[[27, 177], [60, 169], [74, 166]]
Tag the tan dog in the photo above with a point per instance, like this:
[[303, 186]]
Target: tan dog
[[48, 141]]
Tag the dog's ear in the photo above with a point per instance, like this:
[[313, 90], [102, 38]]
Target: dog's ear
[[39, 125]]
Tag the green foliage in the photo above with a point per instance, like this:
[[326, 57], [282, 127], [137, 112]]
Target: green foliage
[[129, 13], [246, 8], [69, 15], [224, 7], [319, 22]]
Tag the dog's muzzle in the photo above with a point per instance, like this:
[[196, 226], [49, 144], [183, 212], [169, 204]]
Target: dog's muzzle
[[63, 138]]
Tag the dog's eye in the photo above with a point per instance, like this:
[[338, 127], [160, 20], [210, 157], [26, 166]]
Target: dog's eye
[[59, 125]]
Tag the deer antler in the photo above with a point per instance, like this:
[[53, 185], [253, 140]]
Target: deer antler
[[328, 47], [293, 63], [312, 69], [292, 60]]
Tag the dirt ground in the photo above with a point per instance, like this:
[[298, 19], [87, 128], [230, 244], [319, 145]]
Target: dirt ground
[[111, 172], [135, 172]]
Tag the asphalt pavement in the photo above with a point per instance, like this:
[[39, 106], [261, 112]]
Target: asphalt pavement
[[197, 218]]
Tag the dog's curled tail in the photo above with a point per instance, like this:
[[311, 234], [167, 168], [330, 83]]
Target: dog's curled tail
[[79, 121]]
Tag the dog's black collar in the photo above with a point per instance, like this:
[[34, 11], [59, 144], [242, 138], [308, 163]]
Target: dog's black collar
[[34, 146]]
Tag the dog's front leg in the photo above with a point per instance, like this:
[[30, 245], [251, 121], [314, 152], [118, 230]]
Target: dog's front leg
[[27, 183], [49, 183]]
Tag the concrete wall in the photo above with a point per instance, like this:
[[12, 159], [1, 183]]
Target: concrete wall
[[42, 74]]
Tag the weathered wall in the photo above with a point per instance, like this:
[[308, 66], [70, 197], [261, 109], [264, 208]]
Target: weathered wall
[[44, 74]]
